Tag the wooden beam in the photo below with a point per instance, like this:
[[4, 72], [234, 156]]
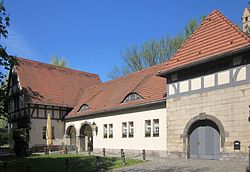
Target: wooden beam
[[37, 110], [53, 113], [45, 111]]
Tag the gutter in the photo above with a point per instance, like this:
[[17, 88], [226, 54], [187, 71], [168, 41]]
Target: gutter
[[116, 109], [208, 59]]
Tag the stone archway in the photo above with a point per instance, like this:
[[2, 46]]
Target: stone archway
[[86, 137], [200, 121], [71, 135]]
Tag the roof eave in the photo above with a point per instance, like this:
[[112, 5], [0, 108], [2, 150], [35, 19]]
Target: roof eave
[[208, 59], [116, 109]]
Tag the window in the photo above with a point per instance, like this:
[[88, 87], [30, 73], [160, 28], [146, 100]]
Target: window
[[147, 128], [156, 128], [131, 129], [110, 130], [132, 97], [84, 107], [105, 131], [246, 19], [44, 133], [124, 130]]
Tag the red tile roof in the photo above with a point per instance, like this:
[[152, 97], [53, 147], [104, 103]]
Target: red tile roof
[[215, 36], [109, 96], [53, 85]]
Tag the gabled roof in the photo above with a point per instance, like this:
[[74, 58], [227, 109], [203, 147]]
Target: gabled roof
[[109, 96], [52, 85], [216, 35]]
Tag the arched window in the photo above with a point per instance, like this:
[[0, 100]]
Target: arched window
[[84, 107], [132, 97]]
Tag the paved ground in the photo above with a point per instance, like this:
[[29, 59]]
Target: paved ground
[[183, 165]]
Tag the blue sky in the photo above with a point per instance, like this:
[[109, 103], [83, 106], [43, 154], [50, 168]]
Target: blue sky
[[91, 34]]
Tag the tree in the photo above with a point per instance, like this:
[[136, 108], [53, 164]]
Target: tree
[[152, 52], [59, 61], [6, 62]]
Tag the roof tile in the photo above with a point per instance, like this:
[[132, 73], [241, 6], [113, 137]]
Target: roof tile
[[215, 36]]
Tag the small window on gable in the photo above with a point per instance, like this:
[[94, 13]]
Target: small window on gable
[[132, 97], [84, 107]]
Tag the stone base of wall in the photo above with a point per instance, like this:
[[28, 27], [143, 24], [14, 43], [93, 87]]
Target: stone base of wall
[[175, 155], [238, 156], [133, 153]]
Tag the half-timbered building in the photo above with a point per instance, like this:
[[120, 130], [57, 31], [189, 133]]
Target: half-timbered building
[[196, 105], [36, 90]]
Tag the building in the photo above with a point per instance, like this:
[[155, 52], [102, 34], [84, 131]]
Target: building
[[208, 92], [194, 106], [37, 89]]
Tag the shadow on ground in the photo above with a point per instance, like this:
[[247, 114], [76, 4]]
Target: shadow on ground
[[52, 163]]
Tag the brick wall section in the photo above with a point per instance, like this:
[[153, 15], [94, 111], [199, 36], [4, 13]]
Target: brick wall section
[[229, 105]]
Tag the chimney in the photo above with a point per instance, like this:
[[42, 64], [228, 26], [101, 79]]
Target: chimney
[[246, 21]]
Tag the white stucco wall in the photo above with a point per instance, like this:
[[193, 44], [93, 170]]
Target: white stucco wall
[[138, 116]]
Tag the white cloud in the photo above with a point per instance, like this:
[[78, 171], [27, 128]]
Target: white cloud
[[16, 44]]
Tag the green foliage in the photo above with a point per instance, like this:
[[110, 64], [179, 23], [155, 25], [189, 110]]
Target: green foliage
[[152, 52], [59, 61], [21, 142], [56, 162], [5, 60]]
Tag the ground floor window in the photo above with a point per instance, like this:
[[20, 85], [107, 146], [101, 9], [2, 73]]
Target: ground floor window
[[124, 129], [131, 129], [110, 130], [105, 131], [147, 128], [156, 128], [44, 133]]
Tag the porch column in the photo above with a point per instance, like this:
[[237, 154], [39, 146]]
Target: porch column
[[78, 142]]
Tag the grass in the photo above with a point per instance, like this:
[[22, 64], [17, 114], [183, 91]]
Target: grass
[[56, 162]]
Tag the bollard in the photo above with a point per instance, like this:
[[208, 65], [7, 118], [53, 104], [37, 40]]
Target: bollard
[[144, 155], [123, 159], [248, 167], [98, 163], [76, 150], [28, 168], [122, 152], [89, 150], [5, 167], [103, 151], [45, 150], [67, 165]]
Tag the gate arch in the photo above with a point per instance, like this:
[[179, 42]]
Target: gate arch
[[86, 137], [71, 134], [205, 123]]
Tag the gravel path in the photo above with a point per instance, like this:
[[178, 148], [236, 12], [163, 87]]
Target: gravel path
[[187, 165]]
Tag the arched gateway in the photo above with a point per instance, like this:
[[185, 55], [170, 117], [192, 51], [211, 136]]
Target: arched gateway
[[86, 137], [203, 137], [71, 135]]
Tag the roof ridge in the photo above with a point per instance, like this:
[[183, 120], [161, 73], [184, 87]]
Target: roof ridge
[[59, 67], [136, 72], [190, 37], [142, 81], [243, 34]]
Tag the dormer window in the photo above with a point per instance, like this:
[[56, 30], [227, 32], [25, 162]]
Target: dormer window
[[84, 107], [132, 97]]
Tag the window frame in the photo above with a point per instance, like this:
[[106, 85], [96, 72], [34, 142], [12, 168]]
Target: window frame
[[111, 131], [132, 97], [148, 128], [105, 131], [44, 132], [131, 129], [124, 130], [83, 108], [156, 128]]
